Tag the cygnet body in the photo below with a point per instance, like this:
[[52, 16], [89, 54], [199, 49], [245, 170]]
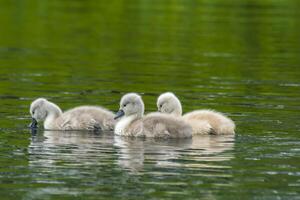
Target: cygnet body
[[202, 121], [79, 118], [156, 125]]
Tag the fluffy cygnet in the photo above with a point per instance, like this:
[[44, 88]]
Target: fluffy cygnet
[[202, 121], [79, 118], [156, 125]]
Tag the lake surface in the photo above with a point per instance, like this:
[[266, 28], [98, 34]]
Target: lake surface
[[238, 57]]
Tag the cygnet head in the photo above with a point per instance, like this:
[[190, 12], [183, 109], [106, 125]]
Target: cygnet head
[[41, 110], [169, 103], [38, 109], [131, 104]]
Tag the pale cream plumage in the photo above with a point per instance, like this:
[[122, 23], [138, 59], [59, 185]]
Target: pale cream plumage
[[202, 121], [79, 118]]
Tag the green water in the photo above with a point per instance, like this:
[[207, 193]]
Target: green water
[[238, 57]]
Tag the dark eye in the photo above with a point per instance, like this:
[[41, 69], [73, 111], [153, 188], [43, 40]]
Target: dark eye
[[124, 105], [33, 112], [160, 105]]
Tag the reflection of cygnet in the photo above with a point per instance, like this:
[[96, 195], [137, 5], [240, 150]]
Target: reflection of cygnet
[[212, 147], [78, 149], [202, 121], [135, 153], [79, 118], [152, 125], [130, 153]]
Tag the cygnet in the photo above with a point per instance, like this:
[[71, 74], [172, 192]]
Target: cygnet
[[79, 118], [202, 121]]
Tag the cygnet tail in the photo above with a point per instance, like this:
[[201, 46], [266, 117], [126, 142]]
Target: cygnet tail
[[227, 128]]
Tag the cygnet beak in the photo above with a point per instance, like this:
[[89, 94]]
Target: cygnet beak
[[33, 123], [119, 114]]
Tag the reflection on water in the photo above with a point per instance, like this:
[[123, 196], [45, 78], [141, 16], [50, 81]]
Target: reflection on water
[[75, 163], [81, 149], [134, 153], [66, 148]]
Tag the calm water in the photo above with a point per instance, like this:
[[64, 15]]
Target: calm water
[[238, 57]]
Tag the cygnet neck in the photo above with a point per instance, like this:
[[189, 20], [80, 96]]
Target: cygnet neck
[[141, 110], [137, 116], [177, 111], [53, 112]]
